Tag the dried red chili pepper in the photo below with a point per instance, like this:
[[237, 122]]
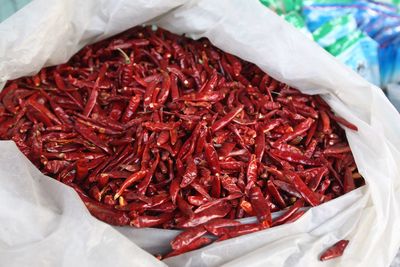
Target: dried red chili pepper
[[334, 251], [157, 130]]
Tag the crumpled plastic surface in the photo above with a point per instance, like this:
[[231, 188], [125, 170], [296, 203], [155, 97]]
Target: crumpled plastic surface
[[43, 223]]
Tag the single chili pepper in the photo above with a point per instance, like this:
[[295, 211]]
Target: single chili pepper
[[174, 190], [260, 207], [226, 119], [316, 180], [187, 237], [197, 200], [294, 157], [104, 212], [344, 122], [259, 144], [231, 165], [295, 216], [298, 130], [311, 148], [216, 186], [326, 124], [251, 172], [229, 185], [184, 207], [337, 150], [91, 101], [150, 221], [100, 129], [131, 108], [275, 194], [219, 210], [289, 213], [129, 181], [218, 226], [143, 185], [334, 251], [101, 121], [300, 186], [200, 189], [200, 242], [82, 169], [201, 140], [310, 133], [239, 230]]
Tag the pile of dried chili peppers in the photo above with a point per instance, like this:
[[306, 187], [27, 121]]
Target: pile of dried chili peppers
[[153, 129]]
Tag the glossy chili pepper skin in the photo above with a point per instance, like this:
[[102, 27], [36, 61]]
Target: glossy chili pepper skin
[[260, 207], [334, 251], [130, 180], [158, 130], [289, 213], [217, 211], [187, 237], [226, 119], [303, 189], [202, 241]]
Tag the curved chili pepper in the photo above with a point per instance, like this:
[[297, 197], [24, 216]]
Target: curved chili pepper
[[129, 181]]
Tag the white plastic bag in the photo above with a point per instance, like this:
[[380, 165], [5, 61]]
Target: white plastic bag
[[43, 222]]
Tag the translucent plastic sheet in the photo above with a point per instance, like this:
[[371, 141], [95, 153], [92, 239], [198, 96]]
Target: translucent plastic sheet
[[43, 222]]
